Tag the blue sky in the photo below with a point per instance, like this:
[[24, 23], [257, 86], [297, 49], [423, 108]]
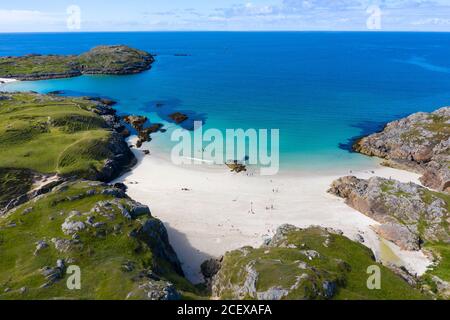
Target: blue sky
[[232, 15]]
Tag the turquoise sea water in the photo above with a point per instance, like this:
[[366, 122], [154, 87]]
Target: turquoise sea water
[[319, 89]]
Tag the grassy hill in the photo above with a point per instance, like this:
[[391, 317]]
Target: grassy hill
[[311, 263], [49, 134], [121, 250]]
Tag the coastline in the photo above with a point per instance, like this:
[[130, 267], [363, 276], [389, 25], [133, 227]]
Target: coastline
[[208, 210]]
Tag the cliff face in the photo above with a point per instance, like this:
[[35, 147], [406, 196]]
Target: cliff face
[[302, 264], [420, 142], [113, 60]]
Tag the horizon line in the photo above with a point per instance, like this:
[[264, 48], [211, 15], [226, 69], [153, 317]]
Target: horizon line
[[226, 31]]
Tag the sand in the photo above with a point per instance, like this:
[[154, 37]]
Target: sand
[[6, 80], [208, 210]]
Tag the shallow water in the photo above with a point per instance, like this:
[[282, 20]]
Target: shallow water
[[320, 89]]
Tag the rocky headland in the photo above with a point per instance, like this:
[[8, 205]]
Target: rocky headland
[[420, 142], [108, 60], [413, 217], [122, 251], [83, 134], [301, 264], [57, 210], [409, 215]]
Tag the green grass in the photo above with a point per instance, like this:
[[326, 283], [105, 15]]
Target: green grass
[[100, 258], [440, 250], [412, 135], [439, 124], [36, 65], [49, 134], [442, 253], [342, 261], [52, 135], [115, 60], [429, 196], [99, 60], [387, 187]]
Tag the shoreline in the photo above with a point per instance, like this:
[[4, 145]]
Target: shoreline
[[7, 80], [208, 210]]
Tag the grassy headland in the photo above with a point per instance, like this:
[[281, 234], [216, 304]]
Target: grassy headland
[[311, 263], [53, 135], [122, 251], [100, 60]]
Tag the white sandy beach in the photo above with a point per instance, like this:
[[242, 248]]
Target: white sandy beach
[[222, 211], [6, 80]]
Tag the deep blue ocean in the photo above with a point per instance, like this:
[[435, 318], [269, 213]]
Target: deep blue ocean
[[320, 89]]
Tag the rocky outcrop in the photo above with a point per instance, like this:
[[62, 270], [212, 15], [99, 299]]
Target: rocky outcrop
[[121, 159], [409, 214], [111, 60], [154, 290], [420, 142], [178, 117], [296, 264], [53, 274], [30, 195], [112, 238], [442, 287], [117, 60], [137, 122], [143, 132], [209, 269], [235, 166], [252, 267], [154, 234]]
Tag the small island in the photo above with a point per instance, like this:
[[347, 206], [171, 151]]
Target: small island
[[108, 60]]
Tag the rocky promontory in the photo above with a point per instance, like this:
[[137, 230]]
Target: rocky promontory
[[409, 215], [420, 142], [62, 135], [110, 60], [302, 264]]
